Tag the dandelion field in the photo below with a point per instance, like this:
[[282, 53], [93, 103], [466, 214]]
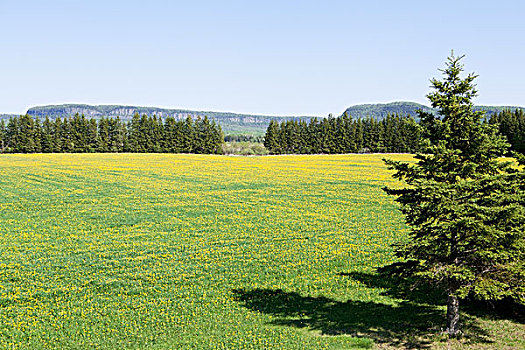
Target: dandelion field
[[158, 251]]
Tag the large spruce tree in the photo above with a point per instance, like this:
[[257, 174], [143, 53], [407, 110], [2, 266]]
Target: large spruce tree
[[464, 206]]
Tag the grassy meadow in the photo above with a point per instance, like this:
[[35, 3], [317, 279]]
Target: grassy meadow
[[158, 251]]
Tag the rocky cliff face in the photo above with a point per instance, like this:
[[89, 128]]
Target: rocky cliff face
[[231, 123]]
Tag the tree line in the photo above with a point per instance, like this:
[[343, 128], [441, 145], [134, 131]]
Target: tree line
[[152, 134], [393, 134], [78, 134]]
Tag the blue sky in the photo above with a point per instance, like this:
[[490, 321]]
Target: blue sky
[[265, 57]]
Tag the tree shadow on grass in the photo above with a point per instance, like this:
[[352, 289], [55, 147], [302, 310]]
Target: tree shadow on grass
[[395, 285], [408, 325], [506, 309], [411, 323]]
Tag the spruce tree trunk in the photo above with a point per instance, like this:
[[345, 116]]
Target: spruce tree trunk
[[452, 316]]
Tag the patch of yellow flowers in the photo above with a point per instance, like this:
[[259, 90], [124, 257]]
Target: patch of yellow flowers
[[144, 250]]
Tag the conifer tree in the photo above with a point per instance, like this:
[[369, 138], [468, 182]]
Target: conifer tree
[[374, 134], [412, 135], [103, 135], [3, 136], [12, 134], [327, 129], [145, 134], [292, 136], [157, 135], [464, 207], [125, 140], [78, 133], [134, 134], [199, 142], [175, 135], [188, 141], [347, 140], [341, 138], [352, 133], [314, 136], [48, 143], [367, 135], [170, 135], [359, 135], [271, 138], [217, 138], [38, 135], [27, 135], [304, 137], [57, 133], [92, 136], [65, 136]]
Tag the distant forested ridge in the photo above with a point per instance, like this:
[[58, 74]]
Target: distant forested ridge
[[78, 134], [392, 134], [382, 110]]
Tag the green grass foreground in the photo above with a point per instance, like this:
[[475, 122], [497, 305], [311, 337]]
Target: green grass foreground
[[114, 251]]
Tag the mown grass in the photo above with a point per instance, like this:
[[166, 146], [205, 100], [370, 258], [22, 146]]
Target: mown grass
[[211, 252]]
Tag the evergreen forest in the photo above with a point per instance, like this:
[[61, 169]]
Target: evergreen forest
[[143, 134], [151, 134], [392, 134]]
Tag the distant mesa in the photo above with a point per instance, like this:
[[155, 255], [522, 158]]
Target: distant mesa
[[127, 112], [233, 123]]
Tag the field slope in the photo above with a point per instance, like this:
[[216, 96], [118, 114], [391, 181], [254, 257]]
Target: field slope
[[114, 251]]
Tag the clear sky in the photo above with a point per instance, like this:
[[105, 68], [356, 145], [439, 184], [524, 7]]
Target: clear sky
[[261, 57]]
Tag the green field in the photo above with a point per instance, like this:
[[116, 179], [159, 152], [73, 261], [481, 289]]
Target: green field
[[113, 251]]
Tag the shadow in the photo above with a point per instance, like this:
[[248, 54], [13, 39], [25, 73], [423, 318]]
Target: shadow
[[407, 324], [396, 284], [506, 309], [415, 321]]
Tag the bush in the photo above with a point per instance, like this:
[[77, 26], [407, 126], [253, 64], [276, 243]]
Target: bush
[[244, 148]]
